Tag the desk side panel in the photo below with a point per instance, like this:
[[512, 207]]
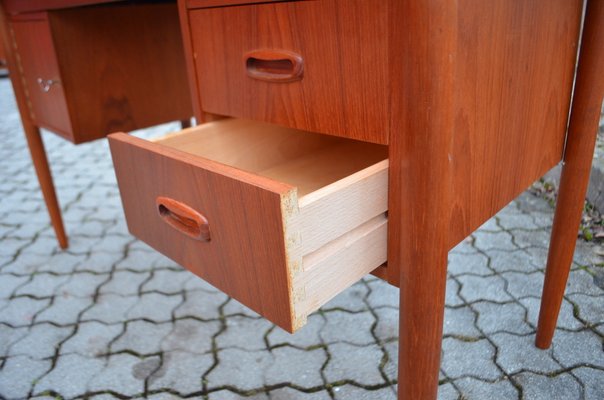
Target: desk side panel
[[515, 71]]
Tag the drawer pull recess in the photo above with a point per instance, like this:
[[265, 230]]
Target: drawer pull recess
[[274, 65], [183, 218]]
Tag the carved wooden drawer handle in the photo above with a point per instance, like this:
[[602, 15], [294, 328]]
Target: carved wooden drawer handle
[[183, 218], [274, 65]]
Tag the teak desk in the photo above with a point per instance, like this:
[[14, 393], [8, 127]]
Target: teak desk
[[86, 68], [367, 132]]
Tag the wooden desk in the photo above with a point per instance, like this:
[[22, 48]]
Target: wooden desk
[[468, 100], [83, 69], [435, 114]]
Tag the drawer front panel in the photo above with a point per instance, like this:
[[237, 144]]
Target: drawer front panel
[[245, 254], [41, 74], [311, 65]]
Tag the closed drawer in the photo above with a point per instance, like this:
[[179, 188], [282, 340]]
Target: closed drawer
[[313, 65], [37, 59], [280, 219]]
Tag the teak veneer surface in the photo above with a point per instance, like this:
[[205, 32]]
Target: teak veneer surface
[[294, 217], [513, 84]]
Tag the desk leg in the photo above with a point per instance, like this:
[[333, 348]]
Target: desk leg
[[419, 206], [583, 127], [419, 191], [32, 133], [422, 304], [38, 156]]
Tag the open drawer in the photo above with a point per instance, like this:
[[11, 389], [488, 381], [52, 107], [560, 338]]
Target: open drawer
[[280, 219]]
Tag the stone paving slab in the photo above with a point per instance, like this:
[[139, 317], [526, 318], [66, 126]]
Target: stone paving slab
[[111, 318]]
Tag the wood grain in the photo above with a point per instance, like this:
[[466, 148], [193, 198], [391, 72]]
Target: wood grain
[[514, 82], [582, 131], [343, 91], [123, 67]]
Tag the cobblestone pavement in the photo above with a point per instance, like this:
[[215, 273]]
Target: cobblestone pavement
[[110, 317]]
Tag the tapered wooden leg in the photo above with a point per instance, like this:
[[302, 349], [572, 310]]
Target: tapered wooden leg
[[185, 123], [419, 191], [584, 120], [40, 161], [32, 134], [422, 303]]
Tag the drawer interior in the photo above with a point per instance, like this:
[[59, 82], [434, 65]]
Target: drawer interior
[[305, 160]]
